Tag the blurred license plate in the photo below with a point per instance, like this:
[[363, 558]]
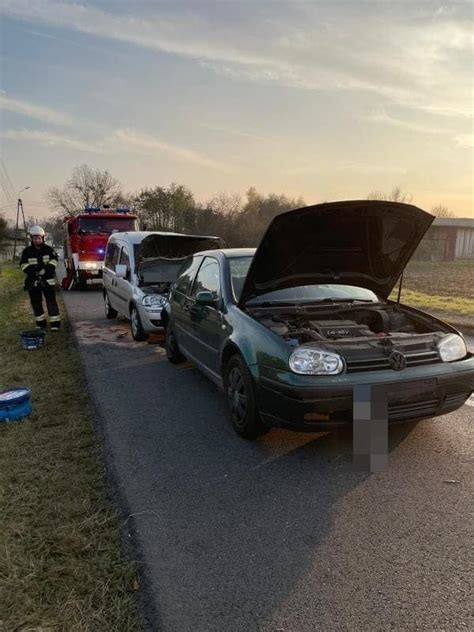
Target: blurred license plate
[[418, 390]]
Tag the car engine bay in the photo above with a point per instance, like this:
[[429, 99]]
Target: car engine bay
[[364, 336]]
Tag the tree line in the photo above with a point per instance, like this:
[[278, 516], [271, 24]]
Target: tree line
[[239, 221]]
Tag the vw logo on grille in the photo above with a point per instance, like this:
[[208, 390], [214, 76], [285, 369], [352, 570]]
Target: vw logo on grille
[[397, 361]]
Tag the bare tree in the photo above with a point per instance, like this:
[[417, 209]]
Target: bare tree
[[226, 203], [442, 211], [395, 195], [85, 188]]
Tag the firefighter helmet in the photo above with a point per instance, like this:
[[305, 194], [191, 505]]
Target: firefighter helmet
[[37, 231]]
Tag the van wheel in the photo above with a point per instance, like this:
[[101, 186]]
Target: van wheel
[[110, 312], [138, 333], [173, 353], [240, 392]]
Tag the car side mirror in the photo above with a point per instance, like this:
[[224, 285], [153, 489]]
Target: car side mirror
[[121, 270], [205, 298]]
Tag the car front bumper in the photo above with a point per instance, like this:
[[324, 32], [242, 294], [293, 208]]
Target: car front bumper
[[322, 403], [151, 320]]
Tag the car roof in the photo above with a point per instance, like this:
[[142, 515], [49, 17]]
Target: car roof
[[229, 252]]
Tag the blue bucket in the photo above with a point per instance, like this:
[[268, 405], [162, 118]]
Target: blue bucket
[[15, 403], [32, 339]]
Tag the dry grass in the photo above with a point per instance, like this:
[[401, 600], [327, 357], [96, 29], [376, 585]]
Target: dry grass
[[445, 288], [443, 278], [61, 561]]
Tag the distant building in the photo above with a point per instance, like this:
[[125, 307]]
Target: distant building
[[448, 239]]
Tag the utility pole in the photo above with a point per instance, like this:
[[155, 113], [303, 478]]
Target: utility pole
[[19, 206]]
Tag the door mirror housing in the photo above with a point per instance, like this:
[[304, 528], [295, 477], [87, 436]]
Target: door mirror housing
[[206, 298], [121, 270]]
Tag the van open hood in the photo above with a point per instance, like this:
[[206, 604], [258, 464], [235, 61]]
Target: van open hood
[[366, 243], [160, 254], [175, 246]]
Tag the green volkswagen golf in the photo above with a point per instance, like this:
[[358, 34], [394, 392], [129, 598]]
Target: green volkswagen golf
[[288, 330]]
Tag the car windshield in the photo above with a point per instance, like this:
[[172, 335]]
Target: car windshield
[[239, 266], [316, 293]]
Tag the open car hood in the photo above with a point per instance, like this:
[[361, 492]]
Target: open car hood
[[173, 246], [366, 243], [160, 254]]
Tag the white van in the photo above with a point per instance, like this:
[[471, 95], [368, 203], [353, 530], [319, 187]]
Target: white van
[[139, 269]]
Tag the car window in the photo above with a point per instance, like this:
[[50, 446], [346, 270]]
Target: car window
[[238, 266], [124, 257], [186, 274], [111, 256], [208, 278]]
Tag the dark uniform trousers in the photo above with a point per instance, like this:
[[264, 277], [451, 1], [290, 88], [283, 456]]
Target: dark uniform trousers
[[36, 299], [39, 265]]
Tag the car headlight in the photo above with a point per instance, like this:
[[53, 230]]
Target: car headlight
[[315, 362], [451, 347], [153, 300]]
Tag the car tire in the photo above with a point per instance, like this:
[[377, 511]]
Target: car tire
[[136, 328], [81, 281], [173, 353], [110, 312], [240, 393]]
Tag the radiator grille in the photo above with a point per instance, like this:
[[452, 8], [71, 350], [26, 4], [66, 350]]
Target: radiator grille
[[376, 364]]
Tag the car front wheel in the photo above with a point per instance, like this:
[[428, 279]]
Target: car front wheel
[[110, 312], [239, 389], [173, 353], [138, 333]]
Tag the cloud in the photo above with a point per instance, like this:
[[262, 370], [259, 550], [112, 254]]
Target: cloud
[[236, 132], [48, 139], [382, 117], [129, 141], [411, 54], [149, 145], [344, 167], [34, 111], [465, 140]]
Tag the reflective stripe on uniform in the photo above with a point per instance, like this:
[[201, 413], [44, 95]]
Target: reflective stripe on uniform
[[25, 265], [32, 260], [41, 317], [53, 262], [50, 281], [45, 258], [54, 319]]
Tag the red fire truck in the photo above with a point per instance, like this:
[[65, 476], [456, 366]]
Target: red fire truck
[[85, 239]]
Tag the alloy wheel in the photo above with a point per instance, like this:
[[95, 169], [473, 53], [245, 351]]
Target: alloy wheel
[[237, 395], [134, 322]]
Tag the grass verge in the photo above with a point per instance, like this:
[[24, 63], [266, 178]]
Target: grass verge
[[450, 304], [61, 561]]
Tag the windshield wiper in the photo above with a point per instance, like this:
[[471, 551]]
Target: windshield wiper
[[271, 304], [303, 303], [339, 300]]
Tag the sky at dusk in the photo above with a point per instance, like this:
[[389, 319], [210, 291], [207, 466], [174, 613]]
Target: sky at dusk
[[324, 100]]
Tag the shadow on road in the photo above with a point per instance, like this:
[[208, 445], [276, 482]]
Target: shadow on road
[[226, 529]]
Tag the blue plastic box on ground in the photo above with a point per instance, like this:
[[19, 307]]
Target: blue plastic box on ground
[[15, 403], [32, 339]]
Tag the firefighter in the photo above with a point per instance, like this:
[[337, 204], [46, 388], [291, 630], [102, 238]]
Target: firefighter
[[38, 261]]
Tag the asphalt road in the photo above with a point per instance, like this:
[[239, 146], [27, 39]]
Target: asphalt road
[[282, 533]]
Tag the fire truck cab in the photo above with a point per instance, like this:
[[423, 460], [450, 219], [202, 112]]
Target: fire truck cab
[[85, 240]]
